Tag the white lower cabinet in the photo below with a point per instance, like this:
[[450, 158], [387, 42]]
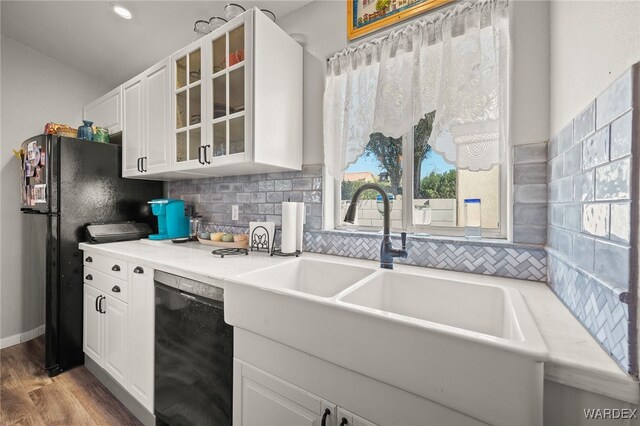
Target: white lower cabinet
[[119, 324], [93, 331], [262, 399], [275, 384], [141, 318], [116, 333], [106, 332], [347, 418]]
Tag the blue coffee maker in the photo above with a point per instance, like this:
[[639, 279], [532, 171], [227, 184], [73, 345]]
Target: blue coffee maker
[[172, 222]]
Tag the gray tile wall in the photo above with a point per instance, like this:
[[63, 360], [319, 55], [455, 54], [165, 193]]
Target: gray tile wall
[[589, 241], [258, 197], [530, 193]]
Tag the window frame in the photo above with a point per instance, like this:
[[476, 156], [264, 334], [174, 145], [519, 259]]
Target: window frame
[[502, 232]]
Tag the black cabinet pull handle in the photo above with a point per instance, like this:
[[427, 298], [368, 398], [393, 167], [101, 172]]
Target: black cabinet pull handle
[[139, 167], [100, 305], [326, 413], [138, 270], [344, 422], [116, 289], [116, 268], [89, 277], [97, 298], [89, 259], [144, 169], [200, 155], [205, 154]]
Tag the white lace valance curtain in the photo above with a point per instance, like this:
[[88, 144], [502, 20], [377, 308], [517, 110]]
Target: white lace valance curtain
[[455, 63]]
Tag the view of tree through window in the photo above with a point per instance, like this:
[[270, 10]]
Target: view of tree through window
[[438, 189]]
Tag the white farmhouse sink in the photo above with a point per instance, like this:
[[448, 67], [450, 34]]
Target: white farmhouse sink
[[312, 277], [480, 309], [445, 336]]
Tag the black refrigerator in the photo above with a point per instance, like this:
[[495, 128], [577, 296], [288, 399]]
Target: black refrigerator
[[68, 183]]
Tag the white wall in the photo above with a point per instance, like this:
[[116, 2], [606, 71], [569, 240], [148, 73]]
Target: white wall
[[35, 89], [529, 120], [593, 42], [321, 28]]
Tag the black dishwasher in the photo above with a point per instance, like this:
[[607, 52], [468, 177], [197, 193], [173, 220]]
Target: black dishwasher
[[193, 353]]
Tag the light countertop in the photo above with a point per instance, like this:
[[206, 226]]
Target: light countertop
[[575, 358]]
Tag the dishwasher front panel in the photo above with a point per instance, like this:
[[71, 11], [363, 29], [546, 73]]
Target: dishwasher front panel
[[193, 360]]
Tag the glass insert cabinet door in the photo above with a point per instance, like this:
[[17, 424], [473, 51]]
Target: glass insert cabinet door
[[189, 95], [228, 78]]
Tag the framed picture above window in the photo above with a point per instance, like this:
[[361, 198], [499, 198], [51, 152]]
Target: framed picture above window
[[366, 16]]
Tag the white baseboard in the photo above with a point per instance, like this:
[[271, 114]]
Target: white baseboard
[[22, 337]]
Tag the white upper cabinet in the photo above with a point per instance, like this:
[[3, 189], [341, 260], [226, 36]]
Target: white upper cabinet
[[132, 137], [237, 100], [188, 100], [146, 139], [227, 104], [106, 111], [157, 158]]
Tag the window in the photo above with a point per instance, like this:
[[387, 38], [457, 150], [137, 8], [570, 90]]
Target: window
[[423, 113], [427, 186]]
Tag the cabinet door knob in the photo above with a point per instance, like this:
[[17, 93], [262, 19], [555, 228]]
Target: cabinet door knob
[[115, 268], [89, 259], [116, 289], [138, 270], [89, 277], [326, 413]]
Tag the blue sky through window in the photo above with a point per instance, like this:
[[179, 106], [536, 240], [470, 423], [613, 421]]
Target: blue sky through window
[[433, 162]]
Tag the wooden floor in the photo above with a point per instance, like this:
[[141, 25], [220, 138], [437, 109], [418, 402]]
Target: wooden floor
[[28, 396]]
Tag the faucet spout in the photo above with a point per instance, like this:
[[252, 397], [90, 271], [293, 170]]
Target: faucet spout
[[387, 251]]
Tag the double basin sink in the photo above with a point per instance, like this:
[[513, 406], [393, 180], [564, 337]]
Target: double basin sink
[[447, 337]]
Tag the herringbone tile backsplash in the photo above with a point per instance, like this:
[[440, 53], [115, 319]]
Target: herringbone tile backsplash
[[596, 305], [502, 260]]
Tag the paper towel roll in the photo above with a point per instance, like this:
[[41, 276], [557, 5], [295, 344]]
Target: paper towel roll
[[299, 226], [289, 227]]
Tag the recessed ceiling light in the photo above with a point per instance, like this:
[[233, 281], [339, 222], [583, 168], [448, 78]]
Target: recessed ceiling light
[[121, 11]]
